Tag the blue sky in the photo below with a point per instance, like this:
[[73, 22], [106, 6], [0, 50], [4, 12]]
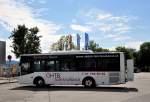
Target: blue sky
[[109, 23]]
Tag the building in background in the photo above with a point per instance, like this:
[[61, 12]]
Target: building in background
[[78, 41], [2, 52], [2, 56], [86, 41]]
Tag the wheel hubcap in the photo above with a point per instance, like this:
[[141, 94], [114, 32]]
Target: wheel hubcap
[[40, 82], [88, 83]]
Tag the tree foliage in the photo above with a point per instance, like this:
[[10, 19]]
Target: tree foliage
[[25, 40], [92, 46], [59, 45], [62, 44], [127, 51], [144, 54], [95, 47]]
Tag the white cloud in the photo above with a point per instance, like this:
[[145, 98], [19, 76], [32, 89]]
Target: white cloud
[[134, 44], [115, 27], [13, 12], [117, 37], [130, 44], [122, 29], [106, 23], [111, 27], [105, 28], [114, 24], [112, 48], [103, 16], [36, 1], [80, 28]]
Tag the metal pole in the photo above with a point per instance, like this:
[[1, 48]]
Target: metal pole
[[9, 71]]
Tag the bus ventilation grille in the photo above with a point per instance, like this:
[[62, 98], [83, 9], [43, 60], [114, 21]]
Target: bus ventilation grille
[[114, 78]]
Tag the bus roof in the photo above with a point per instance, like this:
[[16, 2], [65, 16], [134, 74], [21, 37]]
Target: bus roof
[[70, 52]]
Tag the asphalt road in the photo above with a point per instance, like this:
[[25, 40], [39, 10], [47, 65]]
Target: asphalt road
[[137, 91]]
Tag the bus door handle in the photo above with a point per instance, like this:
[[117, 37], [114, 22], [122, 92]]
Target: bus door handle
[[31, 77]]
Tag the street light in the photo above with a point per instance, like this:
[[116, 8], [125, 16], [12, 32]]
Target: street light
[[9, 58]]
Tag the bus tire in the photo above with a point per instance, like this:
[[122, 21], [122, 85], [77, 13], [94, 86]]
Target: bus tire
[[39, 82], [89, 82]]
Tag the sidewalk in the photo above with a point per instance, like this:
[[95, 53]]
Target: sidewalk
[[7, 80]]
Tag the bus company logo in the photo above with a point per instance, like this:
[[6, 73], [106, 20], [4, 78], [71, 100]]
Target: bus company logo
[[53, 75]]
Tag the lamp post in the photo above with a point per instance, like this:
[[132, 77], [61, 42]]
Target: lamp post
[[9, 58]]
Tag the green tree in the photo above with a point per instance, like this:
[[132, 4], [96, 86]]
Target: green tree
[[127, 51], [33, 41], [62, 44], [95, 47], [145, 56], [25, 40], [130, 53], [59, 45], [100, 49], [136, 57], [54, 46]]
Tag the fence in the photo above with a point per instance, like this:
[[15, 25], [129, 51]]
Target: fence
[[11, 71]]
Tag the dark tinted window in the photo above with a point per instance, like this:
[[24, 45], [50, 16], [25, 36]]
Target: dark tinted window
[[67, 65], [86, 64], [50, 65], [80, 64], [108, 64], [91, 62], [57, 65], [98, 63], [25, 68], [37, 65], [25, 65]]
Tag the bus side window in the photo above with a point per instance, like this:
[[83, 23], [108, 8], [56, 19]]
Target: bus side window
[[42, 65], [73, 65], [99, 65], [25, 68], [80, 64], [57, 65], [50, 66], [90, 64], [65, 66], [36, 66]]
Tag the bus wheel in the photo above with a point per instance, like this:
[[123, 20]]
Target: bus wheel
[[89, 82], [39, 82]]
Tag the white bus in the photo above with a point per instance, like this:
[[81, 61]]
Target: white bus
[[74, 68]]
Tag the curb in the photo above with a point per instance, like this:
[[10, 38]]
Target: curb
[[7, 82]]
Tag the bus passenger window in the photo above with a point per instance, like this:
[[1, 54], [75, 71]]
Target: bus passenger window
[[90, 65], [25, 68], [65, 67], [50, 66], [36, 66], [57, 65]]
